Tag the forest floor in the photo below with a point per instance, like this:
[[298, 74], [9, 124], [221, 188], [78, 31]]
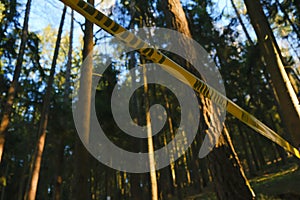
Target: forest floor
[[275, 183]]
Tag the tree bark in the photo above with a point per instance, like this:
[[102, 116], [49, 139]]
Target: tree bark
[[293, 77], [228, 175], [81, 183], [59, 166], [176, 19], [44, 116], [153, 178], [249, 159], [136, 191], [69, 63], [7, 110], [60, 143], [286, 96]]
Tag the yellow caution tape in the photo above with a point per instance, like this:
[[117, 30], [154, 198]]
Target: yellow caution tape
[[110, 26]]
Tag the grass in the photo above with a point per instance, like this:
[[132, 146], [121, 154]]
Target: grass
[[278, 183], [275, 183]]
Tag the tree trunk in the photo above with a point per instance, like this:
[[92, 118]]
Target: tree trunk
[[286, 96], [241, 22], [135, 188], [293, 77], [204, 172], [258, 149], [153, 179], [60, 143], [3, 187], [249, 159], [44, 116], [252, 150], [225, 188], [228, 175], [136, 191], [20, 193], [69, 63], [59, 165], [7, 110], [81, 184]]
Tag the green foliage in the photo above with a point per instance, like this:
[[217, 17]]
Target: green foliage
[[239, 61], [2, 9]]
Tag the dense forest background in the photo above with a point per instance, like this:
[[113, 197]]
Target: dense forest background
[[254, 44]]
